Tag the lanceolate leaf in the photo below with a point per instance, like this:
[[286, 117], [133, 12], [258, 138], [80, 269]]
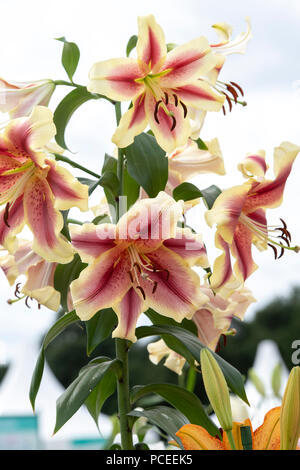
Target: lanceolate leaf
[[99, 395], [186, 192], [158, 319], [147, 164], [77, 393], [166, 418], [194, 346], [54, 331], [66, 109], [70, 57], [184, 401], [99, 327], [201, 145], [131, 188], [131, 44]]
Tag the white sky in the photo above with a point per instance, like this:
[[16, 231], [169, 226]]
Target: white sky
[[269, 74]]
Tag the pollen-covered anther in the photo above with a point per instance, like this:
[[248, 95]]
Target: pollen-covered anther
[[156, 111], [142, 291], [184, 109], [26, 301], [17, 290], [6, 214]]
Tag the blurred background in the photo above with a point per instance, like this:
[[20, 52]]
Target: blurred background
[[269, 73]]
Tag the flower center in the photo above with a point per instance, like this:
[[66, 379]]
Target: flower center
[[263, 231], [142, 268]]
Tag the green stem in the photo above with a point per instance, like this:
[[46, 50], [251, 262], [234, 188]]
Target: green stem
[[123, 395], [61, 158], [191, 379], [74, 221], [231, 440], [122, 346], [64, 82]]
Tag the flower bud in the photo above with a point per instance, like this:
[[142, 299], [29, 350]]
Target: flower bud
[[290, 412], [257, 382], [216, 389]]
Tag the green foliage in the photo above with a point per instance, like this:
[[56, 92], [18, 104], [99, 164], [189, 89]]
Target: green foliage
[[70, 57], [188, 192], [131, 44], [64, 275]]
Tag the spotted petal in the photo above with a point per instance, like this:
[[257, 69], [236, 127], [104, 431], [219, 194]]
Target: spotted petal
[[11, 223], [45, 221]]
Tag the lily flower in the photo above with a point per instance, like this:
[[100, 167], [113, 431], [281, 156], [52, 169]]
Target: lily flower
[[240, 216], [34, 188], [19, 98], [39, 272], [160, 85], [143, 261], [266, 437]]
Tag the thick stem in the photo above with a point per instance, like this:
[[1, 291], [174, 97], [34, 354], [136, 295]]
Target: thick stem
[[121, 344], [123, 395]]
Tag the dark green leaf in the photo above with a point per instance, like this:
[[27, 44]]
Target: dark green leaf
[[110, 164], [54, 331], [64, 275], [201, 145], [158, 319], [115, 447], [131, 188], [210, 194], [92, 184], [147, 164], [193, 345], [186, 192], [166, 418], [246, 437], [184, 401], [70, 57], [66, 109], [141, 446], [96, 399], [77, 393], [131, 44], [99, 327], [101, 219], [65, 229]]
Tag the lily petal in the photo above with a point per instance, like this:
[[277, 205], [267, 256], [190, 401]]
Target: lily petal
[[132, 123], [187, 63], [45, 222], [201, 95], [68, 191], [170, 132], [189, 246], [40, 285], [116, 79], [208, 334], [254, 165], [222, 270], [128, 312], [177, 294], [90, 240], [194, 437], [267, 436], [13, 225], [241, 250], [102, 284], [151, 46]]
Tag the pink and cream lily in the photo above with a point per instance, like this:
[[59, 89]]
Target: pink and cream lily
[[159, 350], [160, 85], [39, 272], [240, 216], [143, 261], [34, 188], [19, 98]]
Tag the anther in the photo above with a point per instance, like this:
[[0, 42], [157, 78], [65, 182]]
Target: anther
[[154, 287], [281, 252], [130, 275], [184, 109], [174, 123], [156, 111], [233, 92], [6, 214], [224, 110], [274, 249], [166, 98], [168, 274], [142, 291], [26, 301], [138, 267], [238, 87], [175, 100], [228, 101], [17, 290]]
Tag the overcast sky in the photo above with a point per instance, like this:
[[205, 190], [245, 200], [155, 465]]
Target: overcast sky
[[269, 74]]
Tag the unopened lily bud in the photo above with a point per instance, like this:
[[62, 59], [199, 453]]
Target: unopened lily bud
[[276, 379], [257, 382], [290, 412], [216, 388]]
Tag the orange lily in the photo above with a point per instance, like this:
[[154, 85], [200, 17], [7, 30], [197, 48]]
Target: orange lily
[[266, 437], [160, 85]]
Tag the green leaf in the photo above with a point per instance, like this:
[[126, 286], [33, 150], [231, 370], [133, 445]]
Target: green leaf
[[166, 418], [70, 57], [201, 145], [110, 164], [192, 344], [64, 275], [131, 188], [55, 330], [66, 109], [186, 192], [184, 401], [141, 446], [131, 44], [65, 229], [147, 164], [210, 194], [99, 327], [246, 437], [101, 219], [78, 391], [158, 319], [92, 184], [100, 394]]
